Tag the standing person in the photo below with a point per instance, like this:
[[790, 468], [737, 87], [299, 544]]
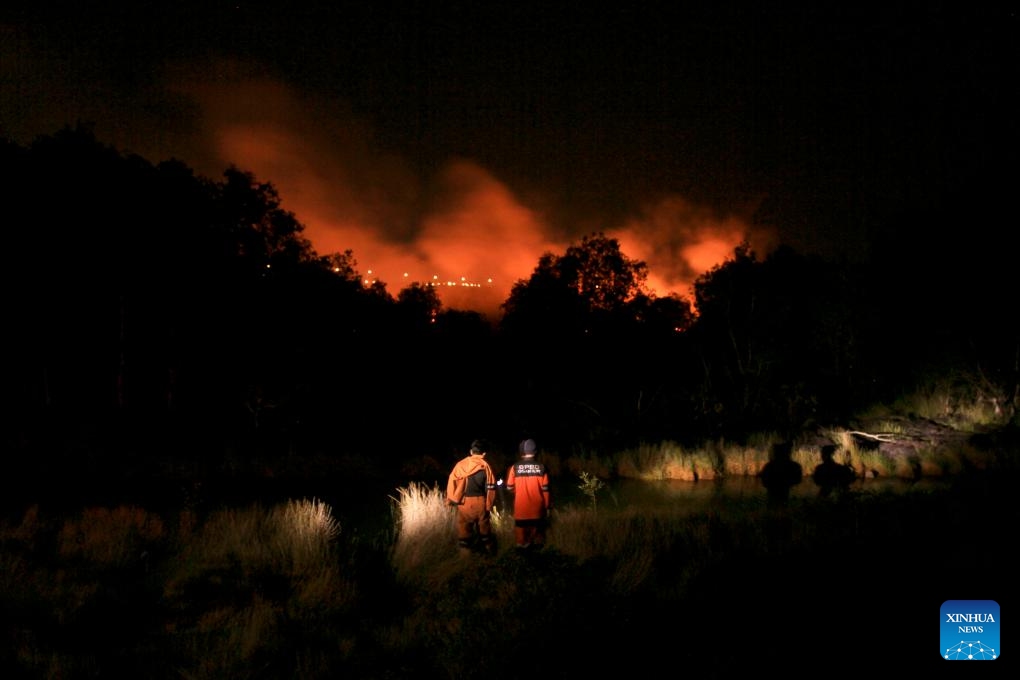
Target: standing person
[[528, 481], [471, 488]]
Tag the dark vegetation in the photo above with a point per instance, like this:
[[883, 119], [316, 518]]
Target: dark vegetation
[[172, 337], [156, 314]]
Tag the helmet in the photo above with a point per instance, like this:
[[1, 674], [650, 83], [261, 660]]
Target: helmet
[[528, 446]]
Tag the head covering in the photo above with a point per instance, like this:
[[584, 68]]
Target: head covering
[[477, 446], [528, 447]]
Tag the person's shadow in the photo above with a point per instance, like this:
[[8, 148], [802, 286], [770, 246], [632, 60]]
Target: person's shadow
[[831, 477], [779, 475]]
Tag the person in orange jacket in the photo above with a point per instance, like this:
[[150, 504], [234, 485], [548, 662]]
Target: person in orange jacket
[[528, 481], [471, 488]]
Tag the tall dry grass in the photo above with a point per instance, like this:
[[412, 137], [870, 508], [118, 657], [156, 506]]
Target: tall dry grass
[[255, 584], [242, 591], [425, 533], [716, 459]]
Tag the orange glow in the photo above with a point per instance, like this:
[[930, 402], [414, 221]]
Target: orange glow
[[469, 227], [704, 255], [679, 242]]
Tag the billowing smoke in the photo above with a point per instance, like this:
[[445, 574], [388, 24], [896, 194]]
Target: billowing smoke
[[447, 221], [679, 241], [462, 228]]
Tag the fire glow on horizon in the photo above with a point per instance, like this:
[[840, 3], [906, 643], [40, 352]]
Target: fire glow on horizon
[[466, 227]]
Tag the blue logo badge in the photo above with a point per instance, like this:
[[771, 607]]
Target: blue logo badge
[[969, 630]]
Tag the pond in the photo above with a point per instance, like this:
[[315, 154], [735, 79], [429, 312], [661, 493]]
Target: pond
[[683, 496]]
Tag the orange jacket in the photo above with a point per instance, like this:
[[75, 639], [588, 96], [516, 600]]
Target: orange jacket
[[456, 485], [528, 481]]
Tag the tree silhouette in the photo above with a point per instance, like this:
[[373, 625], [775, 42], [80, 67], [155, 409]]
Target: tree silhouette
[[264, 233], [778, 338], [588, 289], [150, 295], [419, 305], [590, 346], [602, 275]]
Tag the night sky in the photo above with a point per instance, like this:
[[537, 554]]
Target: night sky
[[450, 140]]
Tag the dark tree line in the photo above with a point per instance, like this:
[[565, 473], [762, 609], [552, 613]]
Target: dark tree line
[[151, 310]]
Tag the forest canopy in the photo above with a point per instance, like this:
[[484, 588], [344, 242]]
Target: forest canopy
[[146, 296]]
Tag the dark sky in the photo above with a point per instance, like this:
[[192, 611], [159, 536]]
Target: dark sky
[[450, 140]]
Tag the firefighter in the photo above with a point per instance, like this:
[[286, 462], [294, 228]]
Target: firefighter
[[528, 481], [471, 489]]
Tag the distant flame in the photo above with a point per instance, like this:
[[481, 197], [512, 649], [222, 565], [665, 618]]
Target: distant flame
[[471, 227]]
